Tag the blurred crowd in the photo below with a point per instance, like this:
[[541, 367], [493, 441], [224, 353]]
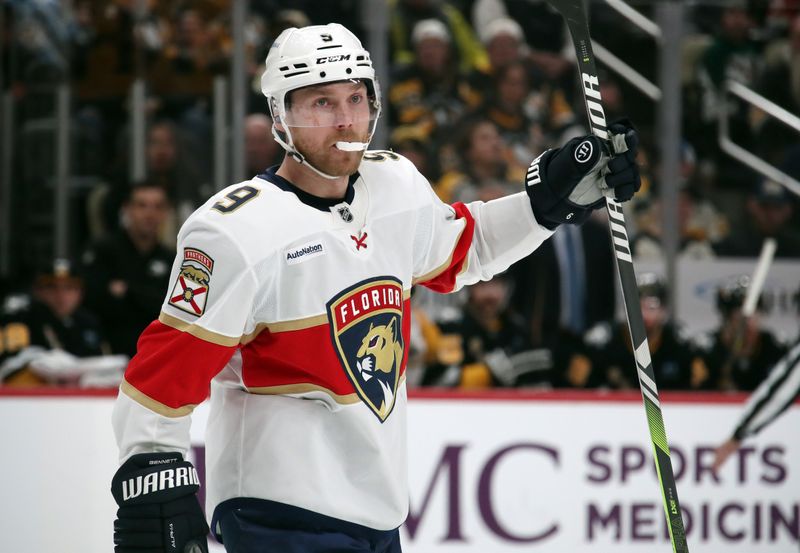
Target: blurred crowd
[[477, 89]]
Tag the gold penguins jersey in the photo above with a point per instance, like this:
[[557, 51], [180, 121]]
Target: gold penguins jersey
[[292, 311]]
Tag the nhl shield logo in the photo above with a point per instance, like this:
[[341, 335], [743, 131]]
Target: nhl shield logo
[[366, 329], [345, 214]]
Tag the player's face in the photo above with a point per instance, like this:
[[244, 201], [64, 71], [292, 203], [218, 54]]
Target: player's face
[[321, 116]]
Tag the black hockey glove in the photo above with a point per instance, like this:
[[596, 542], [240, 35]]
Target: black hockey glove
[[566, 184], [158, 509]]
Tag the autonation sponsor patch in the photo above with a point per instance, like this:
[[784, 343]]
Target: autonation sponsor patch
[[304, 252]]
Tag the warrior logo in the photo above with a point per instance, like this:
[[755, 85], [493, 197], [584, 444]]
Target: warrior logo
[[591, 92], [366, 329], [191, 287], [618, 231], [583, 152]]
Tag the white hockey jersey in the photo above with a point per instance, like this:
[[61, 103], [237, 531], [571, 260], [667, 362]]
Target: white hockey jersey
[[295, 310]]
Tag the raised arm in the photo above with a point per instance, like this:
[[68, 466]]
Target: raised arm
[[461, 244]]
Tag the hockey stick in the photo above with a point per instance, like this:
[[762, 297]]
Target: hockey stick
[[759, 276], [768, 248], [577, 20]]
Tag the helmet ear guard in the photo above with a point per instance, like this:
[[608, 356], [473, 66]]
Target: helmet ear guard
[[283, 135]]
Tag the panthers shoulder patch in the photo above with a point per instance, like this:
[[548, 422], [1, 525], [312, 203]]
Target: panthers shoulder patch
[[190, 292]]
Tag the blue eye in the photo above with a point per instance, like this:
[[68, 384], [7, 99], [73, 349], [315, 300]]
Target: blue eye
[[356, 98]]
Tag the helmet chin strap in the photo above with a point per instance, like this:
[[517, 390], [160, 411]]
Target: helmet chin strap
[[300, 158], [297, 156]]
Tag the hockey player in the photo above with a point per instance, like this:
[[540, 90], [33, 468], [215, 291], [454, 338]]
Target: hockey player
[[290, 298]]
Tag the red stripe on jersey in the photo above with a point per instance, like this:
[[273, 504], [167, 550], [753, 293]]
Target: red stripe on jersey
[[446, 280], [174, 367], [304, 356]]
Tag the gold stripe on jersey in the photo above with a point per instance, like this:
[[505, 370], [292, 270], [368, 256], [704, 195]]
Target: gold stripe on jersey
[[198, 331], [155, 406], [288, 389], [295, 324], [285, 326], [443, 267]]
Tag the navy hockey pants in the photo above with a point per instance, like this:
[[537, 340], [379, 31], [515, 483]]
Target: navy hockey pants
[[243, 533]]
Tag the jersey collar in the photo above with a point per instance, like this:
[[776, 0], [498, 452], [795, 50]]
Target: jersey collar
[[322, 204]]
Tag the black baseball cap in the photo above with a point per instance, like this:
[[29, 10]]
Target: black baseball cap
[[58, 269]]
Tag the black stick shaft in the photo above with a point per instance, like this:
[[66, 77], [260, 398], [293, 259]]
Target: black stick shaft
[[574, 13]]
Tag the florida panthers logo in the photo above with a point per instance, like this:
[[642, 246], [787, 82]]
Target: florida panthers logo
[[366, 328]]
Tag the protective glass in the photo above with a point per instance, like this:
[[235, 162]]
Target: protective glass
[[342, 103]]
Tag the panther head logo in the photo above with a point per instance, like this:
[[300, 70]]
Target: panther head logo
[[378, 357]]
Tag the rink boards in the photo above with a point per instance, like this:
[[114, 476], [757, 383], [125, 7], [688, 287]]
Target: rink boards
[[501, 472]]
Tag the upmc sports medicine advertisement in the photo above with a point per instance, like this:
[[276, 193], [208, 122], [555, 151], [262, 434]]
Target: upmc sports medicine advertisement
[[575, 476], [502, 472]]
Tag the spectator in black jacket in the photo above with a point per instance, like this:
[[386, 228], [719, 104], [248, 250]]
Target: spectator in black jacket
[[487, 346], [609, 359], [127, 272]]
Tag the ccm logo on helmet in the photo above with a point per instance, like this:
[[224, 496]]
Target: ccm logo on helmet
[[340, 57]]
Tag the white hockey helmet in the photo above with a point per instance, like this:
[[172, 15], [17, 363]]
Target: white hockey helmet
[[310, 56]]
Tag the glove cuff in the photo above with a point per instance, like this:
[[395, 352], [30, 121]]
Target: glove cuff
[[154, 478], [534, 182]]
